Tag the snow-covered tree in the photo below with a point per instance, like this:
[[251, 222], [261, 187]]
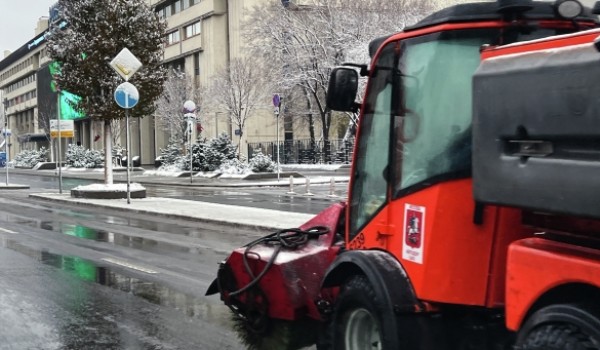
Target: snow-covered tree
[[239, 89], [199, 151], [170, 154], [169, 115], [117, 127], [223, 145], [304, 42], [213, 158], [95, 32]]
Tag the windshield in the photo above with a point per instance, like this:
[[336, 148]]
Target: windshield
[[433, 137]]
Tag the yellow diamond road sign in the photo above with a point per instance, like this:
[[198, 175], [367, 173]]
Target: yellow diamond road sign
[[126, 64]]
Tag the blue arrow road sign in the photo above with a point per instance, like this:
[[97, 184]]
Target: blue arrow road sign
[[127, 95]]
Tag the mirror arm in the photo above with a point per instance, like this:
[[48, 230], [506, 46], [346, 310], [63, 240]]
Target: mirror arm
[[363, 68]]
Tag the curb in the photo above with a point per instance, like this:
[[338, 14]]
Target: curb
[[14, 187]]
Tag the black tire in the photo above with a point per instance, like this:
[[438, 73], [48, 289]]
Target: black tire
[[558, 337], [562, 327], [357, 308]]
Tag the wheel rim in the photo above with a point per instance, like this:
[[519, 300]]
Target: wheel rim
[[361, 331]]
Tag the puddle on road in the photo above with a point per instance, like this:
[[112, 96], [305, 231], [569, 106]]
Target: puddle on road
[[156, 293], [119, 239]]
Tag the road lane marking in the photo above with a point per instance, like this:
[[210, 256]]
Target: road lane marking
[[7, 231], [128, 265]]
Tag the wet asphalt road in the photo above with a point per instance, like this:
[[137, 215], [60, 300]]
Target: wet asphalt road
[[73, 278]]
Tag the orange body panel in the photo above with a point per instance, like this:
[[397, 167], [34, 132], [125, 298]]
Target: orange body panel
[[462, 263], [536, 265]]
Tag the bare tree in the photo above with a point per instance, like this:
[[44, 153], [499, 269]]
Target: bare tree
[[118, 126], [44, 123], [177, 89], [239, 89], [303, 43]]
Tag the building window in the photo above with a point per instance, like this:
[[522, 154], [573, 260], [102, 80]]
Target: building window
[[192, 29], [173, 38]]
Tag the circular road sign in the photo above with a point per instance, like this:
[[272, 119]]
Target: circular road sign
[[127, 95]]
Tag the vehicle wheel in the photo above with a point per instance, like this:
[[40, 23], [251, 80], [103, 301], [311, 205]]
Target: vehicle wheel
[[558, 337], [359, 320], [561, 327]]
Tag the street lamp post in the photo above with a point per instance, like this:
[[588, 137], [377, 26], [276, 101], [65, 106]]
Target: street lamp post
[[189, 109], [277, 100]]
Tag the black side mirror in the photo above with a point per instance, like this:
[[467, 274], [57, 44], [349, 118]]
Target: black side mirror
[[342, 89]]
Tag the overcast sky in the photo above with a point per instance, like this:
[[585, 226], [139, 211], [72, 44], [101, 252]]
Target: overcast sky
[[18, 20]]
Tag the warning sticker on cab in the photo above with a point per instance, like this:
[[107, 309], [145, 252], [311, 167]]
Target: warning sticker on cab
[[414, 233]]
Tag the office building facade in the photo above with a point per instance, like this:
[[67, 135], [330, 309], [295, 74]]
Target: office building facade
[[202, 36]]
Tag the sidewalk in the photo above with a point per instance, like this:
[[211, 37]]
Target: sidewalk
[[236, 216]]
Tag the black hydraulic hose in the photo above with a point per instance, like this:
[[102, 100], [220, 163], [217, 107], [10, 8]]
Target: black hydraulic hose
[[291, 238]]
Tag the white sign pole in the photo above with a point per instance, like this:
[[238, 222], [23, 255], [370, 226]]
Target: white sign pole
[[126, 64], [129, 157]]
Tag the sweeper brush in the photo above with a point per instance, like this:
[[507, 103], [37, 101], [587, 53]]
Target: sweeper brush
[[271, 287]]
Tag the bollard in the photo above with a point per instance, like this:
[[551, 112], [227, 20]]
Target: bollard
[[332, 189], [308, 193], [291, 191]]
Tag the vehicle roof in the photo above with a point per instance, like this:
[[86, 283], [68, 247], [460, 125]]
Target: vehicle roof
[[482, 11]]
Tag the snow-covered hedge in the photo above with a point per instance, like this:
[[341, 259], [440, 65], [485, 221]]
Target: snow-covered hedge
[[261, 163], [80, 157], [234, 167], [207, 155], [29, 158], [218, 155]]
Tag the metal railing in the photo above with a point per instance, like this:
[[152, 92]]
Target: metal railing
[[305, 151]]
